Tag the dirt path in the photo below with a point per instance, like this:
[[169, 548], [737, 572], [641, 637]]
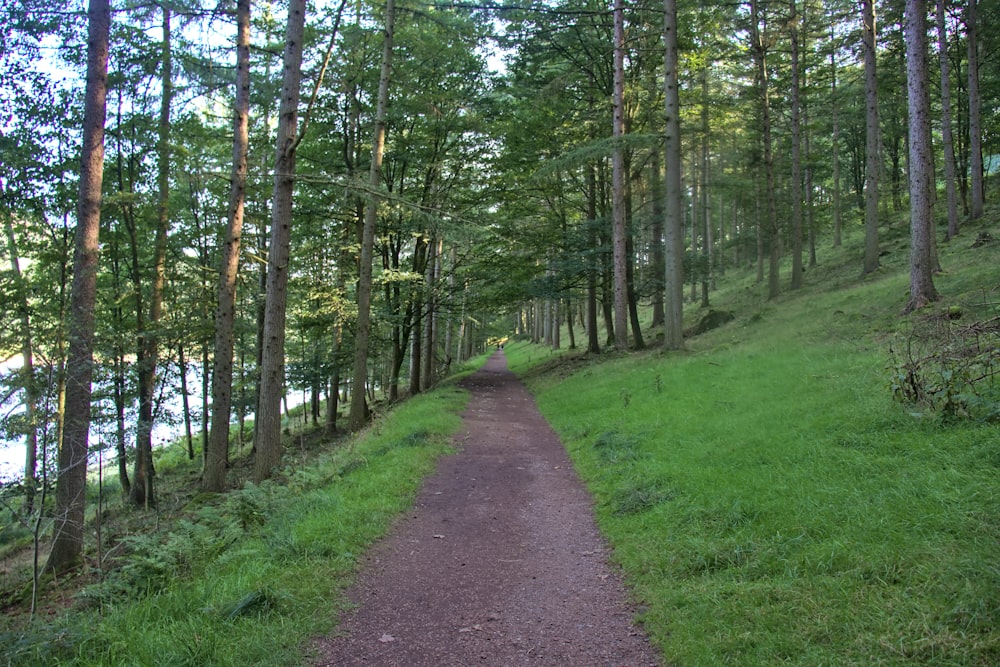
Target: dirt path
[[498, 563]]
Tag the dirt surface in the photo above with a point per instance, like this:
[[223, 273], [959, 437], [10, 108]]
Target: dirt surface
[[498, 563]]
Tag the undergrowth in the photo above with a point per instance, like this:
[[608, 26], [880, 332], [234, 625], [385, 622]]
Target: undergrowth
[[251, 576]]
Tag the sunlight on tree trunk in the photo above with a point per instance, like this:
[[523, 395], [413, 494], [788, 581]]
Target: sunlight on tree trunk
[[359, 407], [272, 381], [217, 447], [67, 545], [142, 492]]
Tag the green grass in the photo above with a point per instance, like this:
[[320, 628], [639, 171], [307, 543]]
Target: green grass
[[249, 578], [770, 503]]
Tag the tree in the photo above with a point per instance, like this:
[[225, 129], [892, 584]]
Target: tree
[[268, 426], [947, 140], [67, 545], [142, 493], [28, 381], [359, 408], [872, 138], [673, 223], [619, 230], [759, 47], [922, 289], [217, 447], [796, 193], [978, 190]]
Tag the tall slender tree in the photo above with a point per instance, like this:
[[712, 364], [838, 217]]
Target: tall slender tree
[[976, 174], [759, 47], [142, 492], [673, 210], [359, 407], [796, 185], [872, 137], [217, 447], [947, 138], [272, 382], [921, 170], [619, 229], [67, 544]]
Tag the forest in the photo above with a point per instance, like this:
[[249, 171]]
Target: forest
[[215, 212]]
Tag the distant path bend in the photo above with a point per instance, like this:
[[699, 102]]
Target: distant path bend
[[498, 563]]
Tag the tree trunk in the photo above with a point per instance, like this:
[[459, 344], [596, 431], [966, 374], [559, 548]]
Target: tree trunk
[[977, 190], [703, 203], [217, 447], [593, 343], [272, 381], [947, 140], [921, 169], [67, 545], [835, 146], [142, 493], [796, 185], [673, 224], [619, 230], [185, 401], [872, 162], [27, 372], [764, 100], [359, 412], [656, 232]]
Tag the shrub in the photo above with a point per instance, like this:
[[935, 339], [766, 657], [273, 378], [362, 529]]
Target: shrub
[[949, 368]]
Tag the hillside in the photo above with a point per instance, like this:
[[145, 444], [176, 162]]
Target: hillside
[[768, 499]]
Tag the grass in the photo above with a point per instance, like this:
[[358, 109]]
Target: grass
[[767, 499], [253, 576]]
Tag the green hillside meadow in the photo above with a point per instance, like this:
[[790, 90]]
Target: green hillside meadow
[[768, 500]]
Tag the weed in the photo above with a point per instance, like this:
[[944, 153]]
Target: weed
[[615, 447], [638, 498]]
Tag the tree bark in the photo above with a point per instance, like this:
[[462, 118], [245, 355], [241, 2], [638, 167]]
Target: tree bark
[[29, 386], [272, 382], [67, 545], [673, 224], [977, 190], [142, 491], [593, 343], [921, 169], [619, 229], [359, 409], [764, 101], [947, 140], [217, 447], [871, 261], [796, 185], [835, 147]]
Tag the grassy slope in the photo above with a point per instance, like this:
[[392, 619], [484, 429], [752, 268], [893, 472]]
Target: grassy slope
[[251, 577], [768, 500]]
